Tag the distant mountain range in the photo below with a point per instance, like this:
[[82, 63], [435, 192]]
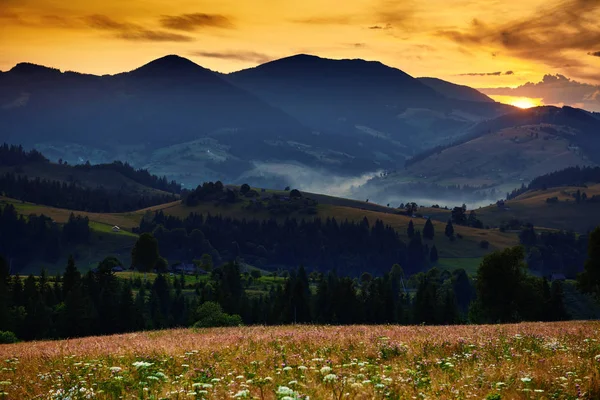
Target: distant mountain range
[[311, 122], [339, 117]]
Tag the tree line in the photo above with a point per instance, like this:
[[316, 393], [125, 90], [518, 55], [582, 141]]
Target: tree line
[[324, 244], [74, 197], [571, 176], [25, 239], [13, 156], [73, 304]]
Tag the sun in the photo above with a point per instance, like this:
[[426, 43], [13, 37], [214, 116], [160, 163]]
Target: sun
[[524, 102], [518, 101]]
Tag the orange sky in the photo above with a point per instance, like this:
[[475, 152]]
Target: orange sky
[[483, 43]]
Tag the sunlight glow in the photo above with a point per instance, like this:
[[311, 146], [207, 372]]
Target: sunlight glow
[[521, 102]]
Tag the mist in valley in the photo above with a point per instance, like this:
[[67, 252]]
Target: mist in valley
[[360, 187]]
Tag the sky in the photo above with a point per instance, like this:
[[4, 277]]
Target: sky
[[480, 43]]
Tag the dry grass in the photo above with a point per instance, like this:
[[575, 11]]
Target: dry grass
[[532, 207], [522, 361]]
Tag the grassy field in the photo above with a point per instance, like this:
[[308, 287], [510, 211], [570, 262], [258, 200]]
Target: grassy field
[[532, 207], [521, 361]]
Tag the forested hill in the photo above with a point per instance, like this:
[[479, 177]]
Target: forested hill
[[573, 176], [116, 187]]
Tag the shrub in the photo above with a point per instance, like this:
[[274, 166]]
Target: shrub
[[7, 337], [211, 315]]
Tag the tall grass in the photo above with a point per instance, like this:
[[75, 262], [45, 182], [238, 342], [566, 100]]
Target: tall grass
[[523, 361]]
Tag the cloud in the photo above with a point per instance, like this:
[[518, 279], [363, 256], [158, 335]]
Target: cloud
[[595, 53], [132, 32], [555, 90], [498, 73], [327, 20], [358, 45], [196, 21], [552, 35], [249, 56], [381, 27], [46, 21]]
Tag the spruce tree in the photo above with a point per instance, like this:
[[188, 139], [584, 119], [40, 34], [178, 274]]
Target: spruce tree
[[410, 231], [428, 230], [449, 229], [433, 255]]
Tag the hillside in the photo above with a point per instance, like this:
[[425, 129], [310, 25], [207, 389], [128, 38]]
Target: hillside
[[462, 253], [91, 178], [533, 207], [365, 98], [454, 91], [510, 361], [501, 154]]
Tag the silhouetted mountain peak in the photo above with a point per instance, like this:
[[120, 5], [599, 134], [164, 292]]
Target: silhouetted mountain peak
[[171, 65], [25, 68], [308, 65]]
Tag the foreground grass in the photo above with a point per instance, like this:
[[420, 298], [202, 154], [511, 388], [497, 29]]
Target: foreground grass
[[523, 361]]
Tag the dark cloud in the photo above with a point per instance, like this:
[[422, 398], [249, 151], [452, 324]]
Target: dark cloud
[[249, 56], [555, 90], [545, 36], [132, 32], [381, 27], [356, 45], [397, 15], [595, 53], [498, 73], [196, 21]]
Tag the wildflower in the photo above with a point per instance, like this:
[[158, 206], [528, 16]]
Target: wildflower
[[325, 370], [286, 369], [526, 379], [284, 390], [302, 368], [115, 369], [142, 364], [242, 394], [330, 378]]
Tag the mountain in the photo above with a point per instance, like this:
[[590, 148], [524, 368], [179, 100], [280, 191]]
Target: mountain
[[504, 152], [364, 98], [170, 115], [304, 121], [454, 91]]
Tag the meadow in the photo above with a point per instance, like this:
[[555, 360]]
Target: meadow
[[520, 361]]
